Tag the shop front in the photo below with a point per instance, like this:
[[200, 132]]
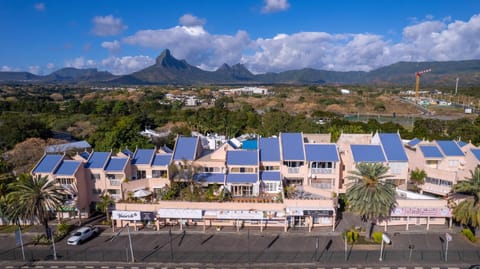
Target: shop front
[[309, 217], [136, 219]]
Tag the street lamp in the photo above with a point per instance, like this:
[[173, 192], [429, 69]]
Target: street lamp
[[387, 240]]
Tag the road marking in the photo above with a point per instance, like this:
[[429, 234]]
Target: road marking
[[38, 266], [385, 267], [418, 267], [89, 267], [8, 267], [152, 268], [53, 266], [105, 267], [402, 268], [119, 267], [435, 268], [71, 266], [453, 268]]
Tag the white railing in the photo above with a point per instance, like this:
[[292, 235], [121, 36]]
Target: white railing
[[322, 170], [324, 186], [115, 182], [293, 170]]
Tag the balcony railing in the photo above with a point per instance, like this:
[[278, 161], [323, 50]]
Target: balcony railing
[[293, 170], [322, 170], [115, 182]]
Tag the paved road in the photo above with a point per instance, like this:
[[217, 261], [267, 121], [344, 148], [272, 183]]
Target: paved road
[[261, 250]]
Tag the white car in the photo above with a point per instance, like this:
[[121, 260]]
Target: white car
[[81, 235]]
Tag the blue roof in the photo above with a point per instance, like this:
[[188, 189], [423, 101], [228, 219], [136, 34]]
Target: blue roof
[[250, 144], [116, 164], [393, 147], [68, 146], [321, 152], [97, 160], [461, 143], [269, 149], [431, 152], [84, 155], [210, 177], [450, 148], [127, 152], [367, 153], [414, 142], [143, 156], [68, 168], [242, 157], [476, 153], [292, 147], [48, 163], [185, 148], [162, 159], [242, 178], [270, 175], [166, 149]]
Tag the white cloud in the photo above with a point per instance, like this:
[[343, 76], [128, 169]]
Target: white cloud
[[39, 6], [112, 46], [80, 63], [6, 68], [107, 26], [275, 6], [190, 20], [35, 69], [127, 64]]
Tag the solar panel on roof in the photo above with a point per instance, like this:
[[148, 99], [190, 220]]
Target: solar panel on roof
[[270, 175], [431, 152], [269, 149], [414, 142], [48, 163], [242, 178], [116, 164], [143, 156], [449, 148], [67, 167], [162, 159], [97, 160], [185, 149], [242, 157], [476, 153]]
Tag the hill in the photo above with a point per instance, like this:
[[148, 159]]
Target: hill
[[169, 70]]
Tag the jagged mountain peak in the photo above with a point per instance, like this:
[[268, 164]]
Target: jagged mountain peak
[[167, 60]]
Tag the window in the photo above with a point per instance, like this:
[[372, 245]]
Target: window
[[270, 168], [141, 174], [242, 190], [439, 182], [212, 169], [95, 176], [271, 187], [242, 170], [159, 173], [453, 163], [432, 163], [65, 181]]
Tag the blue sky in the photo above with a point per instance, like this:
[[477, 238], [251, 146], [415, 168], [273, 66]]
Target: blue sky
[[264, 35]]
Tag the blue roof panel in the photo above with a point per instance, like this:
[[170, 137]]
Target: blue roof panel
[[270, 175], [242, 178], [393, 147], [48, 163], [321, 152], [431, 152], [162, 159], [166, 149], [67, 168], [84, 155], [242, 157], [367, 153], [461, 143], [210, 177], [269, 149], [143, 156], [97, 160], [476, 153], [185, 149], [450, 148], [116, 164], [250, 144], [414, 142], [127, 152], [292, 147]]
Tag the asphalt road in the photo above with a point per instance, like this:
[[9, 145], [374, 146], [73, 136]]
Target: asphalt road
[[277, 250]]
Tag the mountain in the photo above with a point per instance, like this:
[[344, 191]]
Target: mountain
[[169, 70]]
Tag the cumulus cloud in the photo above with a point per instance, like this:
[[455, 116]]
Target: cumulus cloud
[[127, 64], [39, 6], [190, 20], [112, 46], [6, 68], [80, 63], [275, 6], [35, 69], [107, 26]]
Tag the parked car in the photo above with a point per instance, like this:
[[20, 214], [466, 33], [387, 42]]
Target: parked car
[[81, 235]]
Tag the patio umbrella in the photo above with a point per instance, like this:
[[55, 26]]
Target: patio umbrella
[[141, 193]]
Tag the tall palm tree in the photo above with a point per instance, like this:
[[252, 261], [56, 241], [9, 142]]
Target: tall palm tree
[[34, 199], [468, 211], [371, 196], [417, 177], [104, 204]]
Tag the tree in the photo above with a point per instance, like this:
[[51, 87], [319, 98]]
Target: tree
[[468, 211], [34, 199], [105, 202], [371, 196], [417, 177]]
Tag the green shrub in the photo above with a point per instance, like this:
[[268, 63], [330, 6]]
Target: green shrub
[[352, 236], [377, 237], [469, 234]]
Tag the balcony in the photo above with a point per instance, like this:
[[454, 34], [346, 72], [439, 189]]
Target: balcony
[[322, 171], [293, 170], [115, 182]]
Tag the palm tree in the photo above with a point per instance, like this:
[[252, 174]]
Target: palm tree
[[104, 204], [468, 211], [34, 199], [371, 196], [417, 177]]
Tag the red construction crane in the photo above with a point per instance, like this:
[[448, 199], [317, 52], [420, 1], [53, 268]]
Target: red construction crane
[[417, 81]]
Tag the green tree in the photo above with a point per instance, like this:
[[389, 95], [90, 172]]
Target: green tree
[[468, 211], [417, 177], [371, 196], [34, 199], [104, 204]]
